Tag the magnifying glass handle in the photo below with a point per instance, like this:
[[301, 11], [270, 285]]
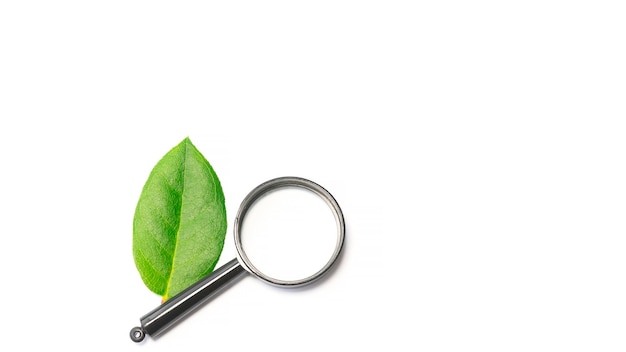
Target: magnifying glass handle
[[177, 307]]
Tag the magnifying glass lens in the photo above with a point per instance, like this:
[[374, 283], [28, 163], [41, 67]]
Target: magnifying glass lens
[[289, 233]]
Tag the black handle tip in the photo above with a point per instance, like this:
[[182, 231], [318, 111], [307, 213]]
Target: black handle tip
[[137, 334]]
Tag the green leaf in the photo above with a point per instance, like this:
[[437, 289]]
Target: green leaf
[[180, 222]]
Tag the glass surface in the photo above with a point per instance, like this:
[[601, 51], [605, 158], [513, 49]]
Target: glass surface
[[289, 233]]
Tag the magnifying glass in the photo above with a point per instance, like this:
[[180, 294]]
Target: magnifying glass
[[255, 232]]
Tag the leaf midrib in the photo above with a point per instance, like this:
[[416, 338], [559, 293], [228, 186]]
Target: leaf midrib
[[180, 216]]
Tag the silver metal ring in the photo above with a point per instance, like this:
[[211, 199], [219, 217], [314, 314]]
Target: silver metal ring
[[281, 182]]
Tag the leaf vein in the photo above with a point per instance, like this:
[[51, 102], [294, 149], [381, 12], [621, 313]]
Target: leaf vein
[[147, 261], [182, 194], [166, 221], [161, 246]]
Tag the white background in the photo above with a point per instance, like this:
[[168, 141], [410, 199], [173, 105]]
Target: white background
[[477, 148]]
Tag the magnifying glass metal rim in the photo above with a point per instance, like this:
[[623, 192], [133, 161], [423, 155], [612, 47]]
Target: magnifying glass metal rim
[[284, 182]]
